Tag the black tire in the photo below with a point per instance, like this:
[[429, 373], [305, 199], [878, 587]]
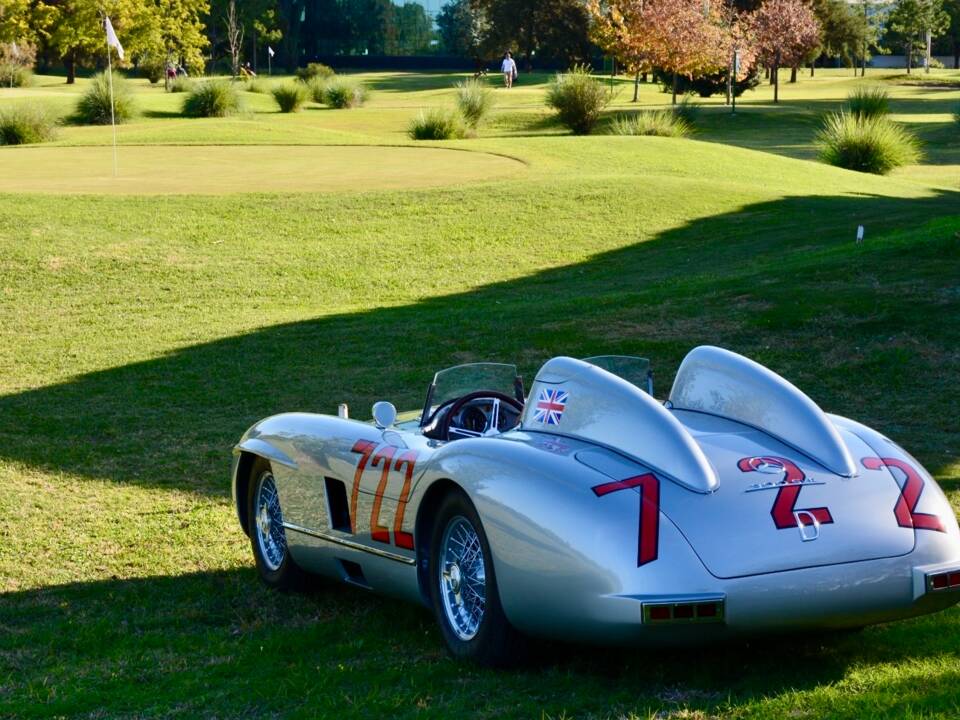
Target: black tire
[[496, 642], [282, 575]]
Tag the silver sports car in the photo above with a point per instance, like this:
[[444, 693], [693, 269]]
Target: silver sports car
[[588, 511]]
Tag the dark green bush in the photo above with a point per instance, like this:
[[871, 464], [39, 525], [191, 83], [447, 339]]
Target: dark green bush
[[866, 144], [436, 124], [290, 96], [94, 105], [313, 70], [706, 85], [661, 123], [475, 100], [578, 98], [213, 98], [343, 92], [869, 102], [26, 123]]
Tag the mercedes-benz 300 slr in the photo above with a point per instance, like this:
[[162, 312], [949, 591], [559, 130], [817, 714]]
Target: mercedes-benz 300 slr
[[586, 510]]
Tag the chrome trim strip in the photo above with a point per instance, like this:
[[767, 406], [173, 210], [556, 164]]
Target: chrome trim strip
[[350, 544]]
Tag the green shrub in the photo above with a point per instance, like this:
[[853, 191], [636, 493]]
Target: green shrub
[[94, 105], [687, 110], [662, 123], [26, 123], [344, 93], [153, 68], [214, 98], [436, 124], [181, 84], [869, 102], [314, 70], [475, 100], [578, 99], [707, 85], [866, 144], [290, 96], [13, 75], [258, 85]]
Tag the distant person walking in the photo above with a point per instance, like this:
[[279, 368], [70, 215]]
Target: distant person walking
[[509, 69]]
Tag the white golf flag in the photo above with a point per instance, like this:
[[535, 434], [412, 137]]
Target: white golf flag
[[112, 40], [270, 51]]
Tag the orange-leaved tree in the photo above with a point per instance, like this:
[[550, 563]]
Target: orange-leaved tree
[[786, 31]]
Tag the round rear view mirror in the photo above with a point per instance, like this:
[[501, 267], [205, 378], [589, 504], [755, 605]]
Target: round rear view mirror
[[384, 414]]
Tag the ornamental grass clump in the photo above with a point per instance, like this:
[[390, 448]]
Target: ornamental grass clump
[[873, 144], [578, 99], [687, 110], [342, 92], [436, 124], [94, 105], [869, 102], [317, 87], [659, 123], [25, 124], [214, 98], [290, 96], [474, 100], [256, 85], [181, 84]]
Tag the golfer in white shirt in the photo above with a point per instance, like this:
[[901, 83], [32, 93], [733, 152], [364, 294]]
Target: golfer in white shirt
[[509, 69]]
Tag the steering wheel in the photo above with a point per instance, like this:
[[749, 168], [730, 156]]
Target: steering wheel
[[443, 430]]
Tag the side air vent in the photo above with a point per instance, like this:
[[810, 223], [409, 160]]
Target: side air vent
[[353, 573], [337, 507]]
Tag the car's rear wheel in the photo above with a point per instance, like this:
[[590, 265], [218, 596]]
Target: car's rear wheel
[[265, 528], [464, 591]]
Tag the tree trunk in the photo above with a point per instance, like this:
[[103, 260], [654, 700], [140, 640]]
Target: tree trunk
[[71, 62], [729, 81], [956, 53], [674, 100], [775, 72], [909, 57], [636, 86], [813, 67], [793, 74]]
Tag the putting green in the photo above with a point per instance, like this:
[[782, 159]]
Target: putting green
[[209, 169]]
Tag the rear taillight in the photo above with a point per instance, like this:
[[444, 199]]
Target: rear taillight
[[947, 580], [660, 613]]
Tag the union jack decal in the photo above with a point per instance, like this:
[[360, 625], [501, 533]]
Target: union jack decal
[[550, 405]]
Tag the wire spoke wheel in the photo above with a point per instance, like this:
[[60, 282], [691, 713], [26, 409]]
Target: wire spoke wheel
[[462, 578], [271, 539]]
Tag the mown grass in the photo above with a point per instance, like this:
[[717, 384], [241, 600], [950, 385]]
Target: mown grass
[[139, 336]]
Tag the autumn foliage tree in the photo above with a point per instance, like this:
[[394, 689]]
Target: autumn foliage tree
[[681, 37], [786, 31]]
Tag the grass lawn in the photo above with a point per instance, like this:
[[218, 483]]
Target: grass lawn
[[147, 321]]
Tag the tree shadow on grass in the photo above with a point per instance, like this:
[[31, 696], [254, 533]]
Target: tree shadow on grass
[[781, 281], [221, 644]]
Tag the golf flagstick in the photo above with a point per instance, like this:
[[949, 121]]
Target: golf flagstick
[[112, 41]]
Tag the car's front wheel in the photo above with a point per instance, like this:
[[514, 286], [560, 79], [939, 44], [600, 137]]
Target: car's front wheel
[[464, 591], [267, 534]]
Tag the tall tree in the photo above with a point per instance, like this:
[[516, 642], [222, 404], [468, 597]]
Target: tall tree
[[462, 29], [912, 19], [787, 30], [682, 37], [844, 31], [953, 10], [559, 28]]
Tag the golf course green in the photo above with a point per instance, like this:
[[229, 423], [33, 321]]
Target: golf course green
[[244, 266]]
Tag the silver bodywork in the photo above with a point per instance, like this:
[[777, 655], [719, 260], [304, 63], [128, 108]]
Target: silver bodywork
[[739, 491]]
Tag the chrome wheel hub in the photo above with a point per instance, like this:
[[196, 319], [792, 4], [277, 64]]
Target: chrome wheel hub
[[462, 578], [271, 538]]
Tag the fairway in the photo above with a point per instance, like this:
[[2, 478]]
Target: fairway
[[323, 257], [208, 169]]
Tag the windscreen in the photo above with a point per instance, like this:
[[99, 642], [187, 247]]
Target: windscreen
[[462, 379], [634, 370]]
